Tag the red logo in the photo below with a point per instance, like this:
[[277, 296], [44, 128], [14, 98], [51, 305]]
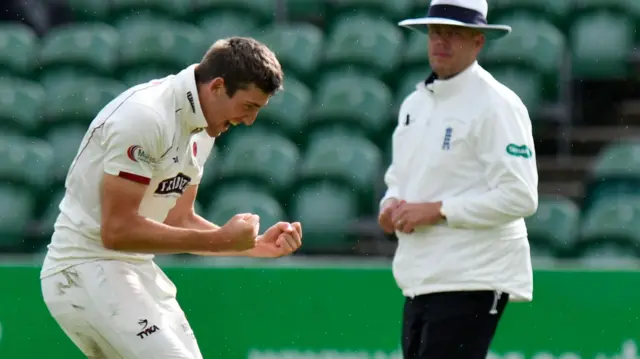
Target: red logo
[[137, 154], [131, 152], [195, 148]]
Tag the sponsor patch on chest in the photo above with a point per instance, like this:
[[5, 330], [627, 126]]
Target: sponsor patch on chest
[[175, 184]]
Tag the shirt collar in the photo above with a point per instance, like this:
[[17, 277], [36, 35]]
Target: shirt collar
[[187, 99], [450, 85]]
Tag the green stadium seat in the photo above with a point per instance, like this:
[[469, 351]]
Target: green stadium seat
[[552, 10], [21, 104], [139, 76], [347, 159], [89, 10], [409, 80], [615, 220], [18, 47], [306, 9], [415, 53], [387, 155], [198, 207], [298, 46], [170, 9], [221, 25], [287, 110], [259, 128], [65, 142], [16, 210], [351, 100], [78, 99], [268, 160], [601, 44], [231, 201], [26, 161], [327, 211], [395, 10], [618, 160], [163, 45], [607, 255], [527, 84], [534, 44], [616, 172], [260, 10], [554, 226], [366, 42], [50, 215], [629, 7], [209, 176], [419, 8], [90, 47]]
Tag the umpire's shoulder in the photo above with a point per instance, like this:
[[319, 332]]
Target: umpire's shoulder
[[410, 104], [499, 96]]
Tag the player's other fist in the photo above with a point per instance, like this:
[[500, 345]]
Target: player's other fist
[[283, 238], [386, 214], [241, 231]]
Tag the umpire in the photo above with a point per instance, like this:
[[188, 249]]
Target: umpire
[[462, 179]]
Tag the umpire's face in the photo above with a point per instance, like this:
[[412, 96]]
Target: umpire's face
[[453, 48]]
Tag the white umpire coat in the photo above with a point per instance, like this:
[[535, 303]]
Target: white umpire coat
[[467, 142]]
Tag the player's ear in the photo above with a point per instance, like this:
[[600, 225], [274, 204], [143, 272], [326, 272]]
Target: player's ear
[[217, 85]]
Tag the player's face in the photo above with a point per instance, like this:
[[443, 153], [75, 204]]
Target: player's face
[[222, 111], [452, 48]]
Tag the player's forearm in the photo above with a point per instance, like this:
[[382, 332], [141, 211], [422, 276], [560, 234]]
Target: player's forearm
[[143, 235], [194, 221], [197, 222]]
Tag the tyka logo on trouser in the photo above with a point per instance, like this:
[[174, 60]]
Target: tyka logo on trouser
[[146, 329]]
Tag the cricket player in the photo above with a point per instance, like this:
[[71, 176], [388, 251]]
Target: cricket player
[[463, 178], [130, 194]]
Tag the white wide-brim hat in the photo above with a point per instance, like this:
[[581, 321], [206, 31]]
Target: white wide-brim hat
[[465, 13]]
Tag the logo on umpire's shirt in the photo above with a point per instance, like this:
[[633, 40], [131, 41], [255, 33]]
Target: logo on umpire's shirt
[[175, 184], [146, 329], [446, 144]]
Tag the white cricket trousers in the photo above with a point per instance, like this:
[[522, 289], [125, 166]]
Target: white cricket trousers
[[113, 309]]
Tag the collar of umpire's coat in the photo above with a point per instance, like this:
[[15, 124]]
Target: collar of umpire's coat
[[450, 86], [188, 101]]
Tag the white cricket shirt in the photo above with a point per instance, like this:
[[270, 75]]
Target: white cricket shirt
[[466, 141], [152, 134]]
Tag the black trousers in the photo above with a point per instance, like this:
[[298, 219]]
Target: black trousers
[[451, 325]]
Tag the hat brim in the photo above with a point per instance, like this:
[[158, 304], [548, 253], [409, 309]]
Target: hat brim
[[492, 32]]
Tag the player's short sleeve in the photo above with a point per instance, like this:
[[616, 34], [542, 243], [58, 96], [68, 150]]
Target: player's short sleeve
[[132, 142], [201, 146]]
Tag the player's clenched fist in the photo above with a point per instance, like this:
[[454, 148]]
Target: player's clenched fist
[[281, 239], [241, 231]]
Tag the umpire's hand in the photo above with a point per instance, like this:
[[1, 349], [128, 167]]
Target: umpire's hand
[[407, 216], [386, 215]]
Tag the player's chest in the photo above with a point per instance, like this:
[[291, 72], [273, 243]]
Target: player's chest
[[177, 167]]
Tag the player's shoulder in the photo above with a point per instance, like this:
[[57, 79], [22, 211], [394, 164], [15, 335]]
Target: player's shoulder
[[142, 107], [202, 144]]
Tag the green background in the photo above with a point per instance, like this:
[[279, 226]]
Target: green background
[[343, 311]]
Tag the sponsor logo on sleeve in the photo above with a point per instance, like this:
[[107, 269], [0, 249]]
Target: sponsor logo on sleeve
[[137, 154], [175, 184], [519, 150]]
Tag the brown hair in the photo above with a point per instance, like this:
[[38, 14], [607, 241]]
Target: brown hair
[[241, 61]]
